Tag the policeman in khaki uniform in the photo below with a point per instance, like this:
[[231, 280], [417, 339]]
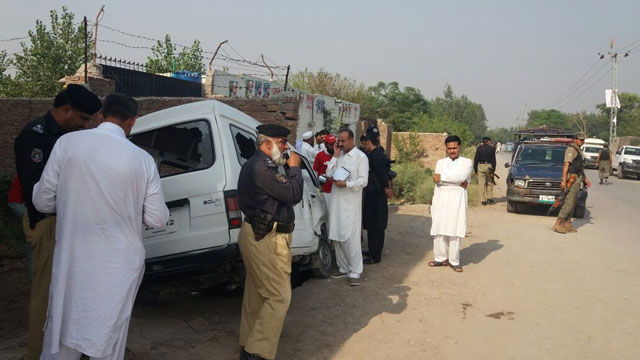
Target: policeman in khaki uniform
[[573, 167], [484, 164], [603, 163], [266, 197], [73, 108]]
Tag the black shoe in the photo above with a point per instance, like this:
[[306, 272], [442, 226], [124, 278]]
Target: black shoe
[[484, 203], [246, 356], [600, 181], [491, 202], [370, 261]]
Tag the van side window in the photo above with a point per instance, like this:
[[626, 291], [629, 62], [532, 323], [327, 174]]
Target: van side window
[[179, 148], [245, 143]]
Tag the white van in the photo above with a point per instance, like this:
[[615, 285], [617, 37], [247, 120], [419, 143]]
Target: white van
[[590, 150], [199, 149]]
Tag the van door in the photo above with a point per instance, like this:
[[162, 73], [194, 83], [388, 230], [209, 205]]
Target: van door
[[192, 174], [310, 211]]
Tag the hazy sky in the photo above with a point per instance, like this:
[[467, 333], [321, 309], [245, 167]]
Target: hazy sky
[[510, 56]]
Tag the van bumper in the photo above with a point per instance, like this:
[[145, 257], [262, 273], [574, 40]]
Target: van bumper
[[192, 264]]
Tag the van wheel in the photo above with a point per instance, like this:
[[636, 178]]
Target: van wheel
[[579, 211], [322, 260], [512, 206]]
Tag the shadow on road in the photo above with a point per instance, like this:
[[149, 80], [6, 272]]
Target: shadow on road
[[477, 252]]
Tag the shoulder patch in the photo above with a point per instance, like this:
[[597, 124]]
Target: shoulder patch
[[283, 179], [36, 155], [38, 128]]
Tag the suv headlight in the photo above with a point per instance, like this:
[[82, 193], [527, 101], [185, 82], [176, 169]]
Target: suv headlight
[[626, 160], [520, 183]]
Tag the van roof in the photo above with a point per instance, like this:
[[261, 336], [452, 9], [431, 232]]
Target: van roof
[[595, 141], [191, 111]]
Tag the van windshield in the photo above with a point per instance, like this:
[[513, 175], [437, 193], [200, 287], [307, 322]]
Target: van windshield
[[541, 155], [592, 149]]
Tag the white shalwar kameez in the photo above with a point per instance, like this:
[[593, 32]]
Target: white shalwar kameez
[[345, 211], [103, 189], [449, 208], [308, 151]]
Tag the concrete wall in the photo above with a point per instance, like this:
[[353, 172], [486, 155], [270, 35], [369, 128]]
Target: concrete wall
[[16, 113], [432, 146], [312, 109], [241, 86]]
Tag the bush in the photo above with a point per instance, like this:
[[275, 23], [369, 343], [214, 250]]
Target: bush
[[408, 148], [413, 183]]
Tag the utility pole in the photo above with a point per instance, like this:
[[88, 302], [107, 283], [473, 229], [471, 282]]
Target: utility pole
[[86, 35], [286, 79], [613, 121]]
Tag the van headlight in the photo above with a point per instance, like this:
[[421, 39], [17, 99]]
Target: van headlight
[[520, 183]]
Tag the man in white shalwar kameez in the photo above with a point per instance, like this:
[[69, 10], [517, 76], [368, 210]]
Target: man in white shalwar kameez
[[449, 205], [306, 147], [103, 188], [345, 207]]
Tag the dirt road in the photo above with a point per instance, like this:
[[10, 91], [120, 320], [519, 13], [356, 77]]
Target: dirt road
[[525, 293]]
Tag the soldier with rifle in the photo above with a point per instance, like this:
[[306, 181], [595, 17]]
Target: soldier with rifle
[[572, 176]]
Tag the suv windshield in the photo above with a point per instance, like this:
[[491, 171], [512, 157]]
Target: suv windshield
[[592, 149], [632, 151], [538, 154]]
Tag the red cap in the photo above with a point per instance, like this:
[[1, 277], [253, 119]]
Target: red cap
[[330, 139]]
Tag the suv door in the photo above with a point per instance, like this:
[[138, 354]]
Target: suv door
[[310, 212], [192, 176], [616, 158]]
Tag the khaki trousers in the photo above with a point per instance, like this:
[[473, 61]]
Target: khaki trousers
[[604, 169], [569, 204], [42, 240], [485, 186], [267, 290]]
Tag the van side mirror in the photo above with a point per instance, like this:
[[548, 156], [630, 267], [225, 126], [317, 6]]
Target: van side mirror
[[507, 164]]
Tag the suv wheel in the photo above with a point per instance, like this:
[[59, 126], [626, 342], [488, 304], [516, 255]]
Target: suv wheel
[[620, 173], [512, 206], [322, 259]]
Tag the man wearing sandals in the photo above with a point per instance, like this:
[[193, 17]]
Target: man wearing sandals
[[449, 205]]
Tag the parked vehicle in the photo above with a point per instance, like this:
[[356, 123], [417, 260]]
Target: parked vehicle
[[627, 161], [199, 149], [510, 146], [590, 150], [536, 173]]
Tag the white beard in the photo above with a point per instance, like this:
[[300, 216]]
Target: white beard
[[276, 155]]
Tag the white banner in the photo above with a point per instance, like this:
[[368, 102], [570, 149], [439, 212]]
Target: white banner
[[608, 95]]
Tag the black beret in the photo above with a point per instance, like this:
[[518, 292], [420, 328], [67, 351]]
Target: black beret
[[83, 99], [373, 130], [486, 138], [273, 130]]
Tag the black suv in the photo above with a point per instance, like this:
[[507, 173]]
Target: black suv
[[535, 174]]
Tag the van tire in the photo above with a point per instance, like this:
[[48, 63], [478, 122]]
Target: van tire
[[512, 206], [579, 212], [322, 259]]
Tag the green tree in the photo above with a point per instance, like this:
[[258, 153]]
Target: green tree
[[387, 100], [52, 54], [460, 109], [548, 117], [425, 123], [332, 84], [628, 115], [165, 59]]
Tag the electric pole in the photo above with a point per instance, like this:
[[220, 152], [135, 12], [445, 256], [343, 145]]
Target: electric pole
[[614, 95]]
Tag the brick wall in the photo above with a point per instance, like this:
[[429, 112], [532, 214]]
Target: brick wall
[[16, 113]]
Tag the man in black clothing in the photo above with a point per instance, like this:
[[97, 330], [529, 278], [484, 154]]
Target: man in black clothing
[[374, 205], [484, 164]]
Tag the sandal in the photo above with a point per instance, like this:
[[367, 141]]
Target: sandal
[[456, 268], [438, 263]]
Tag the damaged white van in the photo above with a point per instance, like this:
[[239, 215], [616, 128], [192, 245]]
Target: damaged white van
[[199, 149]]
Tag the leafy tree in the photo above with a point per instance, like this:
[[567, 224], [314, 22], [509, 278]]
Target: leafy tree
[[6, 82], [628, 115], [332, 84], [52, 54], [165, 59], [425, 123], [550, 118], [462, 110], [388, 100]]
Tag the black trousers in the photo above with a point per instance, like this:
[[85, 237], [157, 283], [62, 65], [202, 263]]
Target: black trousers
[[375, 238]]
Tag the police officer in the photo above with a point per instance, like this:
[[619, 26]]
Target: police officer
[[603, 163], [484, 164], [266, 197], [572, 176], [374, 205], [73, 108]]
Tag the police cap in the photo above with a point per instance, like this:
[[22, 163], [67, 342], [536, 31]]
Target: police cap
[[272, 130], [579, 135], [83, 99], [486, 138]]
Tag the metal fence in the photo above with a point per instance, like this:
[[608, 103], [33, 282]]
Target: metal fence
[[132, 79]]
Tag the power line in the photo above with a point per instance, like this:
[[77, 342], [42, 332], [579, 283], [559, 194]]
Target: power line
[[587, 89], [622, 49], [14, 39], [562, 102], [575, 83]]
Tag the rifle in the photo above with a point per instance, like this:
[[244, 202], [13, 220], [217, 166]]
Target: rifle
[[493, 176], [560, 199]]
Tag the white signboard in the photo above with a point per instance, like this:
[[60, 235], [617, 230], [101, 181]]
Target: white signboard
[[608, 94]]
